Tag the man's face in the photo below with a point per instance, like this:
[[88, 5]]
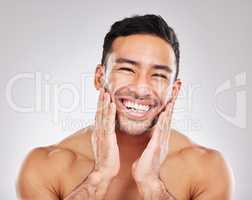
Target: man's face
[[139, 76]]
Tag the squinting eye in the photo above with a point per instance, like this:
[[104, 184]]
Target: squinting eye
[[160, 76], [126, 69]]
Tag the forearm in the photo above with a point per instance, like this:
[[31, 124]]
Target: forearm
[[93, 188], [155, 190]]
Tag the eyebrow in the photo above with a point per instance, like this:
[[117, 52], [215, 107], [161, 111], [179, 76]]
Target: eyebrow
[[133, 62]]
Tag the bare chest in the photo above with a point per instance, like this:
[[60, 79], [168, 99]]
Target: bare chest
[[122, 189], [176, 180]]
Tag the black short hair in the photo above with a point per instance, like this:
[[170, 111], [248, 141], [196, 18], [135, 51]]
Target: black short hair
[[141, 24]]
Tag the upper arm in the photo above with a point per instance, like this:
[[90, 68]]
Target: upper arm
[[32, 182], [216, 180]]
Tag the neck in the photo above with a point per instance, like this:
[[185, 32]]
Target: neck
[[131, 146]]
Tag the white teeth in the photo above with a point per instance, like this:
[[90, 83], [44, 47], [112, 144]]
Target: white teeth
[[136, 106]]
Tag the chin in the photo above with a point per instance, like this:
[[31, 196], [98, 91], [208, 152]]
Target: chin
[[133, 127]]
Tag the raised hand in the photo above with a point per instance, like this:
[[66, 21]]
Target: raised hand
[[106, 153], [146, 169], [105, 148]]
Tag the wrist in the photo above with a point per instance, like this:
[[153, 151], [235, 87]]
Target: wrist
[[96, 185], [148, 185], [97, 177], [154, 188]]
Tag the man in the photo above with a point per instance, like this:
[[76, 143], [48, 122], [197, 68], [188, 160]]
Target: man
[[131, 152]]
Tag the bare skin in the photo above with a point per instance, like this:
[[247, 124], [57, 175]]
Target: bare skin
[[104, 161], [186, 171]]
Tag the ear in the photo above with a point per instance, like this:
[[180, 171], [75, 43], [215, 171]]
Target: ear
[[99, 76], [175, 89]]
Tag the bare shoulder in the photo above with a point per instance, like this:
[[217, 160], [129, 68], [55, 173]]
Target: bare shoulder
[[79, 142], [188, 149], [202, 157], [37, 175], [44, 168], [210, 169], [59, 156]]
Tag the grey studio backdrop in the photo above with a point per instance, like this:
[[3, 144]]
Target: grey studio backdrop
[[49, 50]]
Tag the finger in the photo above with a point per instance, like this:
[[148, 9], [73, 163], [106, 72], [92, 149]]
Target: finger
[[98, 117], [167, 113], [161, 129], [94, 144], [165, 135], [106, 105], [111, 118], [168, 116], [101, 98], [103, 115], [158, 145], [105, 112], [156, 134]]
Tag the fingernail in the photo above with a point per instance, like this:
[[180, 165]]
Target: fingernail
[[108, 96], [105, 96], [113, 106], [101, 90]]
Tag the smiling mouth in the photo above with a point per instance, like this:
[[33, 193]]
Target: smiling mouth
[[136, 109]]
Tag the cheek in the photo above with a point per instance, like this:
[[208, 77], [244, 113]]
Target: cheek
[[114, 82], [168, 95], [122, 78], [164, 91], [164, 98]]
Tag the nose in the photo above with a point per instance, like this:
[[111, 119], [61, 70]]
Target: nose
[[142, 87]]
